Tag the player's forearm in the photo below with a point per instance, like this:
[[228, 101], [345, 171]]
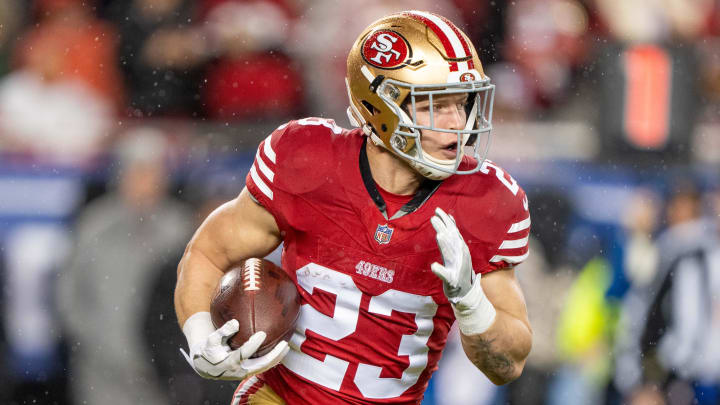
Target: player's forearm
[[501, 351], [197, 279]]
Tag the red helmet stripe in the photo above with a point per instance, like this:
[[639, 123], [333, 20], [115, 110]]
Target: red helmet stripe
[[450, 37], [441, 35], [464, 43]]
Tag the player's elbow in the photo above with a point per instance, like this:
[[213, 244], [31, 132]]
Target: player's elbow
[[516, 362], [507, 374], [505, 366]]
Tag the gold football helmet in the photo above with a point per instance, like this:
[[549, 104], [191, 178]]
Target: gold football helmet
[[417, 54]]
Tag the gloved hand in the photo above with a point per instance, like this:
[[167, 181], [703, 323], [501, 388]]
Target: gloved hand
[[211, 356], [457, 273], [474, 312]]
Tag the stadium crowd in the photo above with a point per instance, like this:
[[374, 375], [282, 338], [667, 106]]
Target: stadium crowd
[[123, 123]]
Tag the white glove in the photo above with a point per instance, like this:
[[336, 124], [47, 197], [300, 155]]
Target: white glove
[[457, 274], [211, 356], [474, 312]]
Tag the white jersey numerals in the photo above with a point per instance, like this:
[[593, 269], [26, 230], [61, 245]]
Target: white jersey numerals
[[331, 371], [368, 378], [508, 181]]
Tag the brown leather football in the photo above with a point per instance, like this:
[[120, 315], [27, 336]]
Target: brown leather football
[[262, 297]]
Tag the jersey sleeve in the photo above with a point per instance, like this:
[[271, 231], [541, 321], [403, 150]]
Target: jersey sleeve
[[264, 181], [513, 249], [290, 163], [496, 219]]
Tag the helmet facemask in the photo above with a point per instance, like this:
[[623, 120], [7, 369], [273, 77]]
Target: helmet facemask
[[406, 139]]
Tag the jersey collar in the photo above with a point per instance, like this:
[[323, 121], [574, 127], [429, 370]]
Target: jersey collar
[[426, 190]]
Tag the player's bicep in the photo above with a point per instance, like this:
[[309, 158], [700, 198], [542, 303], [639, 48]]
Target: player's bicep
[[503, 290], [239, 229]]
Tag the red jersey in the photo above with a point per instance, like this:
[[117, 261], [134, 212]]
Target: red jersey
[[374, 318]]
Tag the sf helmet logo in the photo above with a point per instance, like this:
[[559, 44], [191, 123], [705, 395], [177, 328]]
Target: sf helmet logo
[[386, 49], [467, 77]]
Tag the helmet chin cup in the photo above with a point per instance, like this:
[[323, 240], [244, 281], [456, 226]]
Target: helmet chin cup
[[428, 171]]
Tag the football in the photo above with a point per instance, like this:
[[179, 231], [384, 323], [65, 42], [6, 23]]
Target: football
[[262, 297]]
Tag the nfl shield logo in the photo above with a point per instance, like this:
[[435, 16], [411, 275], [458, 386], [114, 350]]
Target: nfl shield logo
[[383, 234]]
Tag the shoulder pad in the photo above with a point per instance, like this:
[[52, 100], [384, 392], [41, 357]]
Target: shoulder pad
[[299, 152]]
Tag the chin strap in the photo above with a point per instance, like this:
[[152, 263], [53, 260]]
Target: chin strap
[[376, 140]]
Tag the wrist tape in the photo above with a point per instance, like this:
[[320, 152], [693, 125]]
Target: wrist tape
[[197, 328], [474, 312]]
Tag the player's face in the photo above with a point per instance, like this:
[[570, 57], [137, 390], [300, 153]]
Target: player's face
[[448, 113]]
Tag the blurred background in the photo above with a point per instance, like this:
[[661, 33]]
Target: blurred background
[[123, 123]]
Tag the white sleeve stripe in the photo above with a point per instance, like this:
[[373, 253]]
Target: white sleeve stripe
[[509, 259], [263, 167], [259, 183], [519, 226], [268, 150], [249, 384], [514, 244]]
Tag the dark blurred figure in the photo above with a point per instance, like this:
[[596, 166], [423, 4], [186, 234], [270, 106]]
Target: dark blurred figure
[[12, 18], [647, 78], [251, 75], [709, 50], [162, 53], [671, 326], [547, 285], [123, 240], [546, 275], [485, 23], [162, 336]]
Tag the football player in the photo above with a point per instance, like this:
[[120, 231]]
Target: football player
[[392, 231]]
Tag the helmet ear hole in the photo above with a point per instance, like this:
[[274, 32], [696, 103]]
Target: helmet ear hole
[[371, 108]]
